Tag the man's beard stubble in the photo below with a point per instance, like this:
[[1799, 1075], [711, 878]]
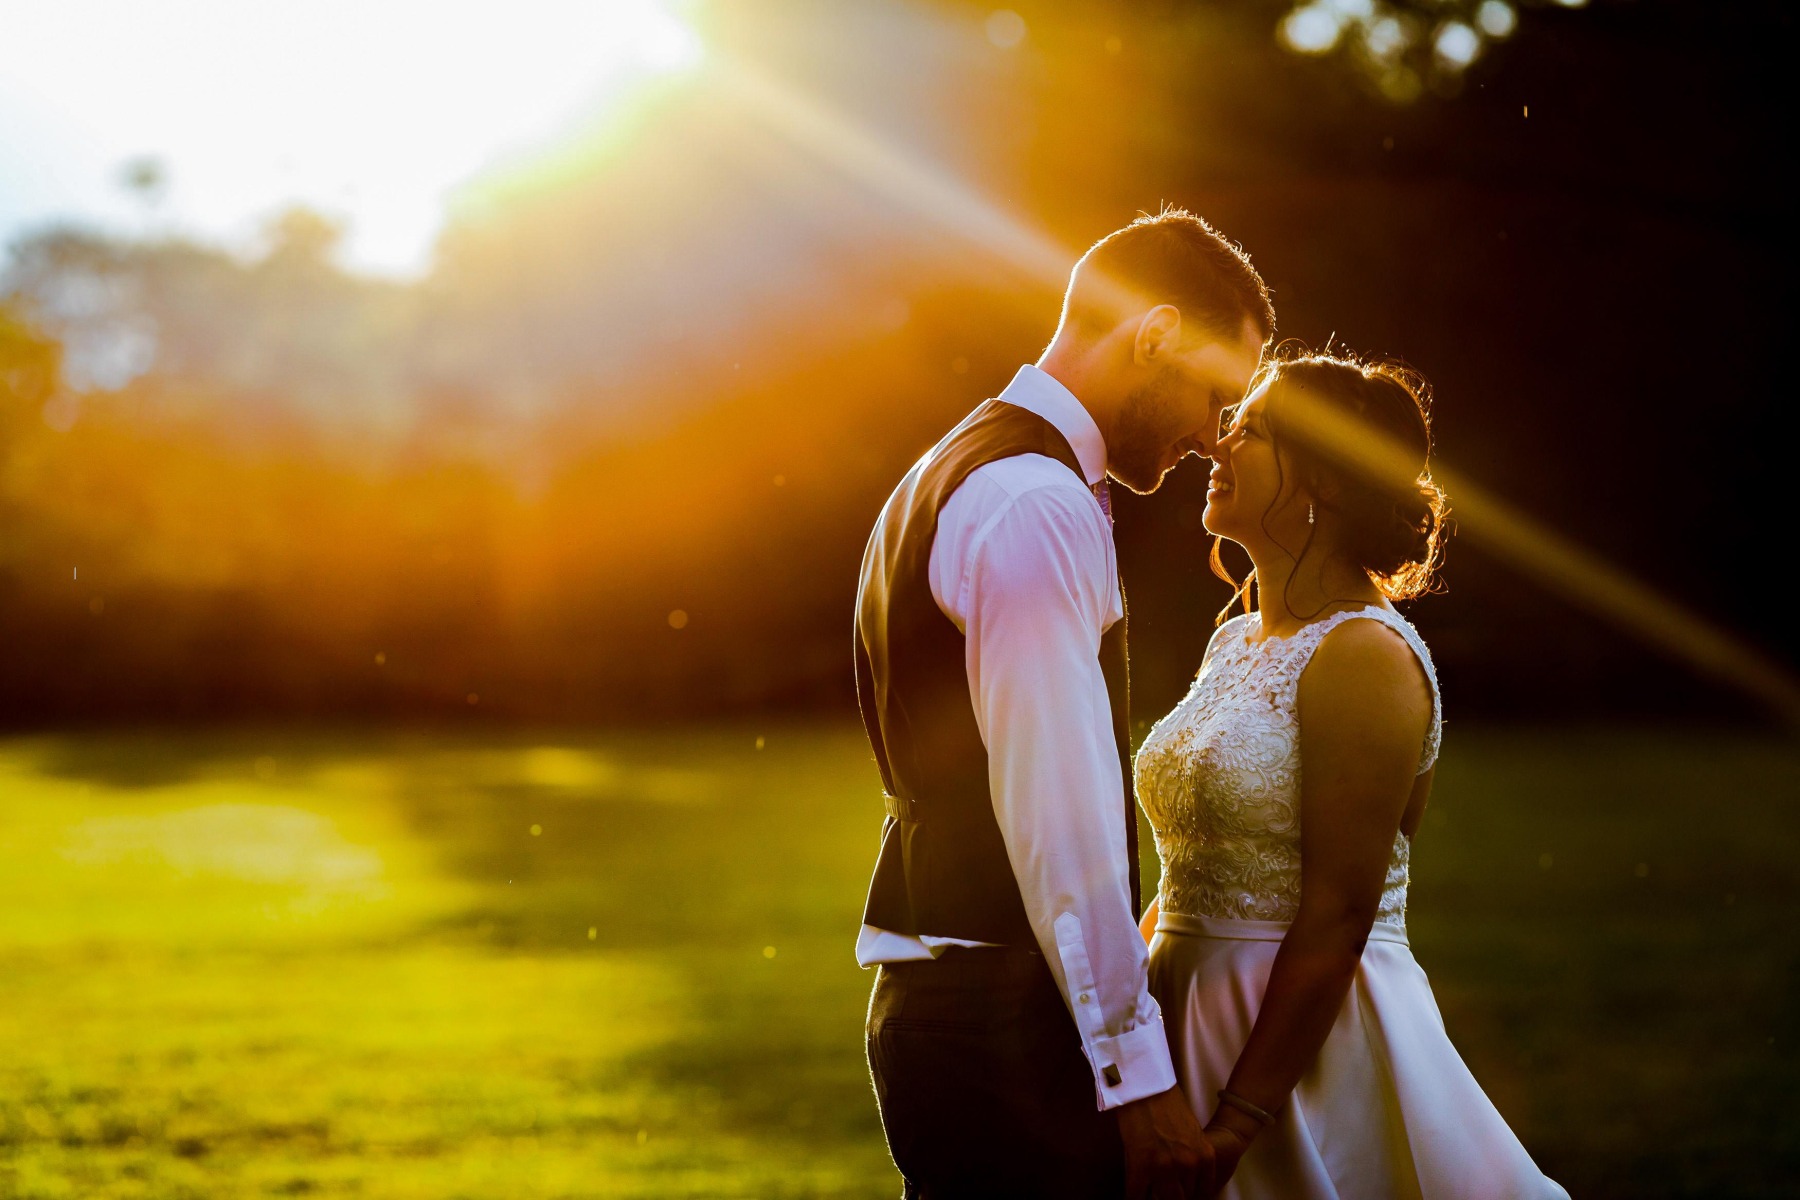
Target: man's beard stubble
[[1147, 427]]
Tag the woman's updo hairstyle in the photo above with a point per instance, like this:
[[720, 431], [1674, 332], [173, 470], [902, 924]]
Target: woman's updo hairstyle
[[1365, 427]]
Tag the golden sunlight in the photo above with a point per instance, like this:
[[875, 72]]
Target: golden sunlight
[[373, 113]]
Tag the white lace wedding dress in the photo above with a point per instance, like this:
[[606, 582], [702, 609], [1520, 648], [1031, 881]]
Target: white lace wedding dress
[[1389, 1111]]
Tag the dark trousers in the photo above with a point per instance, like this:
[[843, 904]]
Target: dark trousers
[[983, 1087]]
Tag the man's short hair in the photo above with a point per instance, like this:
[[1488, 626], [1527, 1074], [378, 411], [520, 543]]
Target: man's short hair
[[1173, 257]]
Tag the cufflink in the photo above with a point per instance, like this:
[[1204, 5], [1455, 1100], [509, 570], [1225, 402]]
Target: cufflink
[[1111, 1075]]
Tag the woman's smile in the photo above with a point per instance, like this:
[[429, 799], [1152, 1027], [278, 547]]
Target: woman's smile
[[1219, 487]]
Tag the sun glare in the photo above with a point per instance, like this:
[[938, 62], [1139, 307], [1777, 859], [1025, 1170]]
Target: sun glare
[[375, 113]]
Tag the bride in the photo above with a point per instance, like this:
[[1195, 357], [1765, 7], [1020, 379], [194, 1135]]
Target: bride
[[1284, 792]]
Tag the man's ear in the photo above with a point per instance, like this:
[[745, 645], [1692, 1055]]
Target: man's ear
[[1158, 334]]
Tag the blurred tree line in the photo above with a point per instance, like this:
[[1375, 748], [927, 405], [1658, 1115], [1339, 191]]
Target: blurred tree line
[[615, 457]]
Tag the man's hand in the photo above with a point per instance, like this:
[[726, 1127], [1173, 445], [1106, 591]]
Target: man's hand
[[1167, 1154]]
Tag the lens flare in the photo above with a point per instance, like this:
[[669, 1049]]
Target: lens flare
[[1557, 563], [1562, 566], [218, 114]]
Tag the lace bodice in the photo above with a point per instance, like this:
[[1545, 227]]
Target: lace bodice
[[1219, 777]]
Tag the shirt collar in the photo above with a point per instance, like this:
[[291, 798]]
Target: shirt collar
[[1036, 390]]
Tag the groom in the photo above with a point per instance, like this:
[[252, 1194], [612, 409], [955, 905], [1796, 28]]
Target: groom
[[1014, 1045]]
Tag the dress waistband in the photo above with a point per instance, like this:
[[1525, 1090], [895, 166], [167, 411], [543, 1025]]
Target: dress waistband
[[1256, 931]]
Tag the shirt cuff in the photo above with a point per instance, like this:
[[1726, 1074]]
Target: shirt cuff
[[1131, 1066]]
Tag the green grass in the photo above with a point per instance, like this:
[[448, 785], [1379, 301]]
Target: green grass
[[298, 964]]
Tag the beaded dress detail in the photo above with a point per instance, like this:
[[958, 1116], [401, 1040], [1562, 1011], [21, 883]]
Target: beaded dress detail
[[1219, 777], [1388, 1108]]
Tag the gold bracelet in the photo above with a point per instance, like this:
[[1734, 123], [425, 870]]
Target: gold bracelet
[[1261, 1116]]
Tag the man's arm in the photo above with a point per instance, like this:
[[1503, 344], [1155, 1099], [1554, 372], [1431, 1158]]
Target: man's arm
[[1039, 592]]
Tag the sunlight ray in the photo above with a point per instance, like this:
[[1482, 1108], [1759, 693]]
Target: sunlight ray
[[1557, 563], [1561, 565], [867, 158]]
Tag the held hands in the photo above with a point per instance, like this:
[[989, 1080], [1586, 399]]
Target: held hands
[[1228, 1149], [1167, 1155], [1230, 1132]]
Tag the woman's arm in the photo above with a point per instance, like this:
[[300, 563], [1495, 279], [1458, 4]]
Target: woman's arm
[[1364, 709]]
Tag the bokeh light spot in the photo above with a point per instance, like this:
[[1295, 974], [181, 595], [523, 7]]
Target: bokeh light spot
[[1005, 28], [1497, 18], [1385, 39], [1457, 44], [678, 619], [1311, 30], [1402, 85]]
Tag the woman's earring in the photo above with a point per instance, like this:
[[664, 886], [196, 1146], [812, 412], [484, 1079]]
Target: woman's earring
[[1309, 514]]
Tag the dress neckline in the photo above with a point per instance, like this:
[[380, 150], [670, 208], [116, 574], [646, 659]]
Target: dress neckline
[[1256, 621]]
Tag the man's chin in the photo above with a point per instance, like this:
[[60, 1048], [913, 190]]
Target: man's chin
[[1137, 482], [1141, 478]]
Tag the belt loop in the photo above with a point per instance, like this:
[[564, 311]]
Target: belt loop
[[899, 807]]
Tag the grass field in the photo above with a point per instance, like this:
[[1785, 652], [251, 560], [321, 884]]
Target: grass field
[[298, 964]]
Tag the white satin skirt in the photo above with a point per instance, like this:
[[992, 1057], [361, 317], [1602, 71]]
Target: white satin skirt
[[1388, 1112]]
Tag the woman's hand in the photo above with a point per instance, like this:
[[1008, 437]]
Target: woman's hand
[[1228, 1147]]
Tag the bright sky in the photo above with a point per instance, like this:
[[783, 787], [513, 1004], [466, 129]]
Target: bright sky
[[372, 110]]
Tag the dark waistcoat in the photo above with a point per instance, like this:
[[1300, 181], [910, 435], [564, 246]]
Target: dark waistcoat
[[943, 868]]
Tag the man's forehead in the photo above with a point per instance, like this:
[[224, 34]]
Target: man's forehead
[[1256, 397], [1250, 351], [1228, 366]]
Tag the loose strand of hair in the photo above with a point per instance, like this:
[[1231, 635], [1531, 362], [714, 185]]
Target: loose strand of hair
[[1239, 591], [1287, 599]]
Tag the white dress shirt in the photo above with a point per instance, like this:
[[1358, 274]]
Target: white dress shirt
[[1023, 563]]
